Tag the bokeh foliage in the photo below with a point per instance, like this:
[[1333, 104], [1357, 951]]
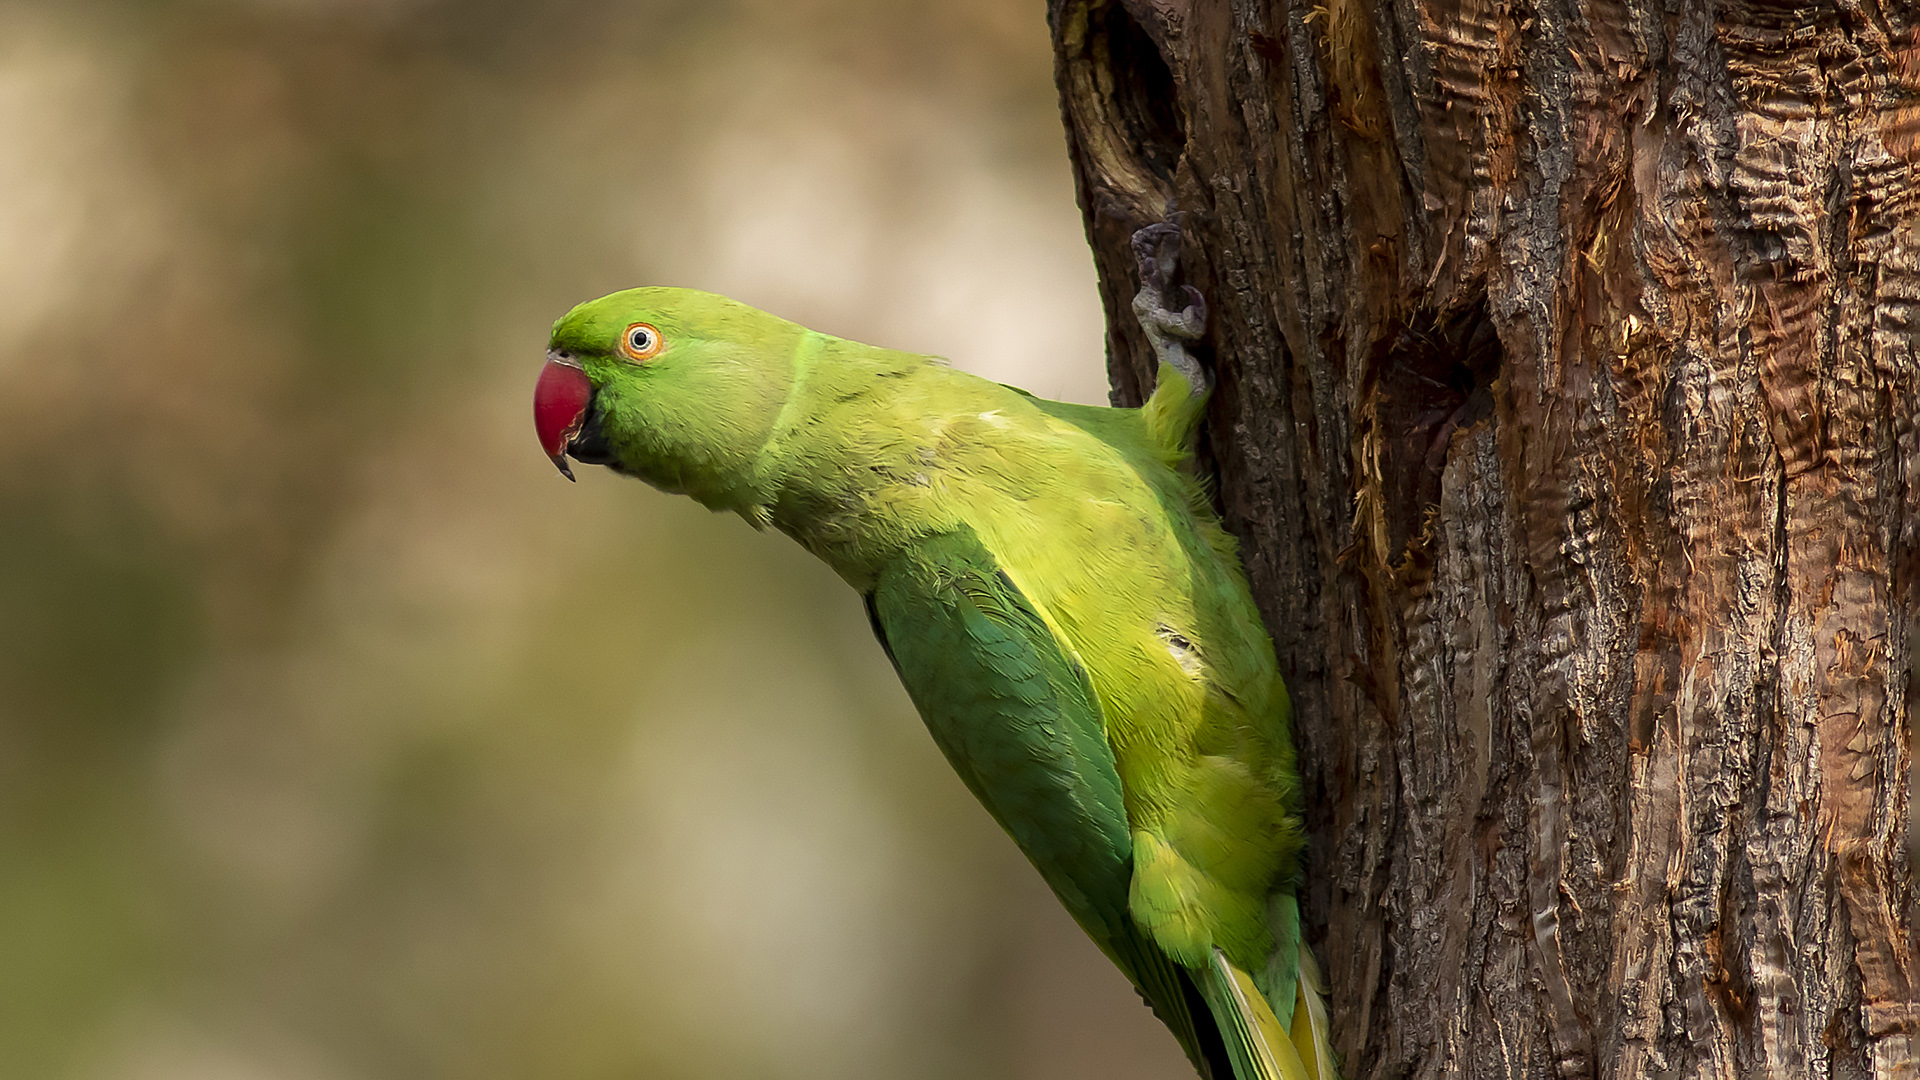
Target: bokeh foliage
[[339, 737]]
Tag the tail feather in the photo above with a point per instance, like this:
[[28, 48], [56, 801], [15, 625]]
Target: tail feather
[[1310, 1034], [1258, 1046]]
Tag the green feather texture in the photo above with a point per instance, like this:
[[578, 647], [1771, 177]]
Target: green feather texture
[[1062, 606]]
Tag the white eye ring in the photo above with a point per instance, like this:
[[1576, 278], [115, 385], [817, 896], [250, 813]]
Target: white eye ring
[[640, 339]]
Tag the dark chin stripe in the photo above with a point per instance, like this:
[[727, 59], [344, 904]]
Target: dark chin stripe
[[590, 447]]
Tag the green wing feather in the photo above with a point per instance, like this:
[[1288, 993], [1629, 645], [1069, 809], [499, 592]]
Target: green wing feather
[[1015, 714]]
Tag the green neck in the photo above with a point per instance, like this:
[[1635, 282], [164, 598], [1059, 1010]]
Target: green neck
[[838, 473]]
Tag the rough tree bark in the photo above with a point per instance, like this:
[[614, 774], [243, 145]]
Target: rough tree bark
[[1567, 361]]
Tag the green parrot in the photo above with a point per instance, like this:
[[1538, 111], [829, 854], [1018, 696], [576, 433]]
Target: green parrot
[[1054, 591]]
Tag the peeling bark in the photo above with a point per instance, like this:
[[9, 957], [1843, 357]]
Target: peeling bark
[[1567, 363]]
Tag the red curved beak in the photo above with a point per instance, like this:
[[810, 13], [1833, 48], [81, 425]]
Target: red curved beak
[[560, 402]]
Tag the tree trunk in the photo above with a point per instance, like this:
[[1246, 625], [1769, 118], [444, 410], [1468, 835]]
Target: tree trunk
[[1567, 377]]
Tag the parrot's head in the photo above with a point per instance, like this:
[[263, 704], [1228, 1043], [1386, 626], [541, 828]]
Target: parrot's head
[[677, 387]]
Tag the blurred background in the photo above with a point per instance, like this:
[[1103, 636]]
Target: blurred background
[[340, 737]]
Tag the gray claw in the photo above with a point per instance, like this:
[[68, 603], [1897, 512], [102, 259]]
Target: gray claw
[[1186, 324], [1157, 250]]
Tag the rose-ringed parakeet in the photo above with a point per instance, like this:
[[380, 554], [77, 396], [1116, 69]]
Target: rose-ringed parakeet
[[1056, 594]]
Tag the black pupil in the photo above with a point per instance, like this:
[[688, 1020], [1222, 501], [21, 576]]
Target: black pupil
[[640, 340]]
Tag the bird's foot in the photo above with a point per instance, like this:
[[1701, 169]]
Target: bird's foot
[[1157, 250]]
